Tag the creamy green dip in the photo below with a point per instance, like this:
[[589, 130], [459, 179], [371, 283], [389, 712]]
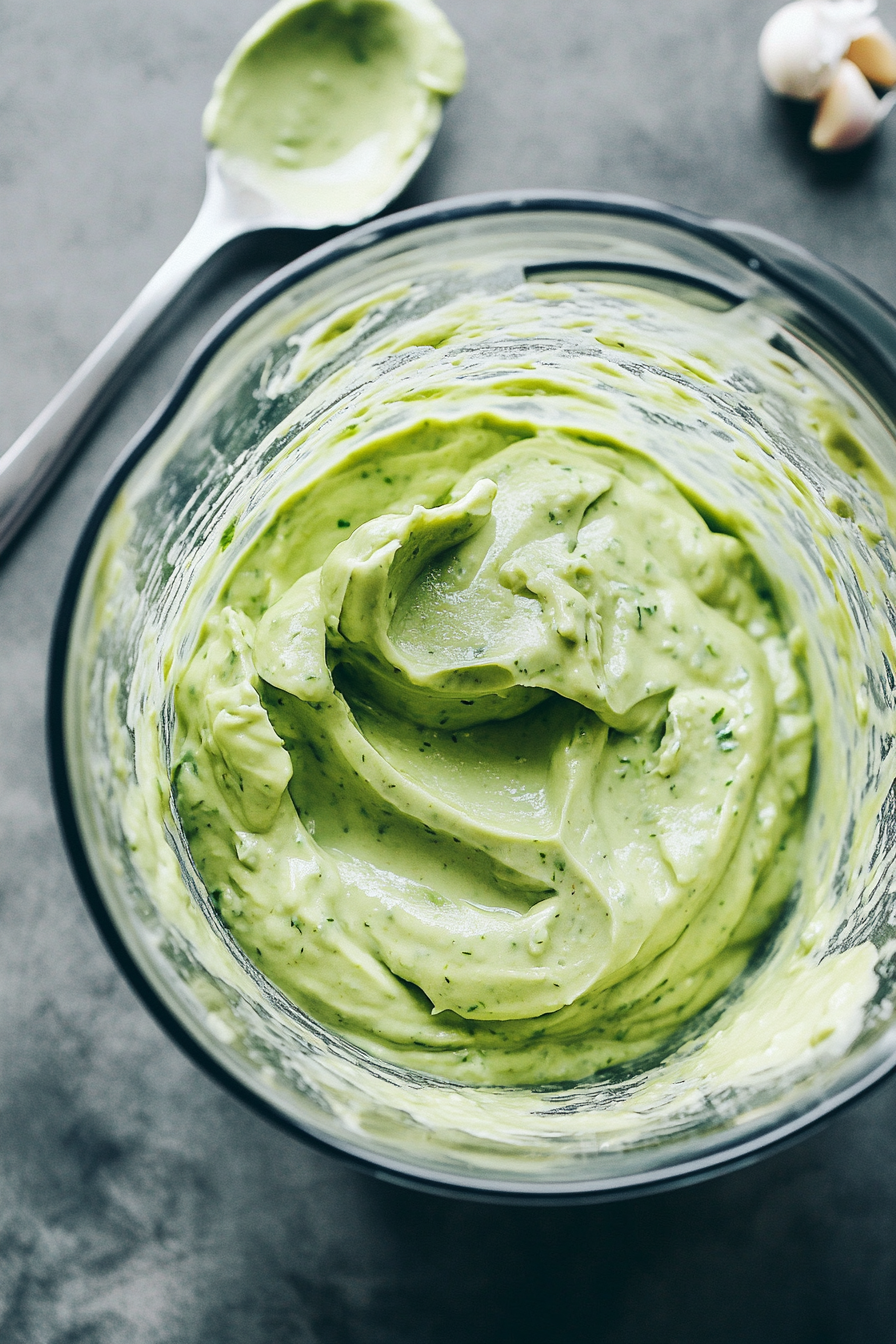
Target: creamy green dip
[[492, 752], [326, 103]]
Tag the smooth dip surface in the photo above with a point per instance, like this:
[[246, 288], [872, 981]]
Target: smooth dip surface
[[492, 752], [325, 104]]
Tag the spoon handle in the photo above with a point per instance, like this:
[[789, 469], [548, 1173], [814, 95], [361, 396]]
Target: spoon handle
[[29, 467]]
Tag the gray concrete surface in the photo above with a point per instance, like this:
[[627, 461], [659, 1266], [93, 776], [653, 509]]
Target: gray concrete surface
[[138, 1202]]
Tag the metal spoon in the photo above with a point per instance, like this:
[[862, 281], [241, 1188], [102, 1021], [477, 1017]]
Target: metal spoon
[[231, 207]]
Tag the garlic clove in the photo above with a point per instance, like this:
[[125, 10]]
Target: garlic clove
[[849, 112], [875, 55], [802, 44]]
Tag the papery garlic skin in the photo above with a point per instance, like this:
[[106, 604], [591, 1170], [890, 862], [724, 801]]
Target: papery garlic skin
[[801, 46], [875, 55], [849, 113]]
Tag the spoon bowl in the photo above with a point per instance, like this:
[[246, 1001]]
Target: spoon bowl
[[326, 108]]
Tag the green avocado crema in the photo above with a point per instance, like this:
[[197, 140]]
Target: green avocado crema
[[326, 103], [506, 780]]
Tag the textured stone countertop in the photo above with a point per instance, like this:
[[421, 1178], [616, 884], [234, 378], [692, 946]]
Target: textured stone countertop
[[139, 1203]]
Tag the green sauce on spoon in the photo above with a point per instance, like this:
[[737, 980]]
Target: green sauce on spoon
[[326, 104]]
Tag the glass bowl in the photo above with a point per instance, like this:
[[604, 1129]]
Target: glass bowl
[[158, 527]]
